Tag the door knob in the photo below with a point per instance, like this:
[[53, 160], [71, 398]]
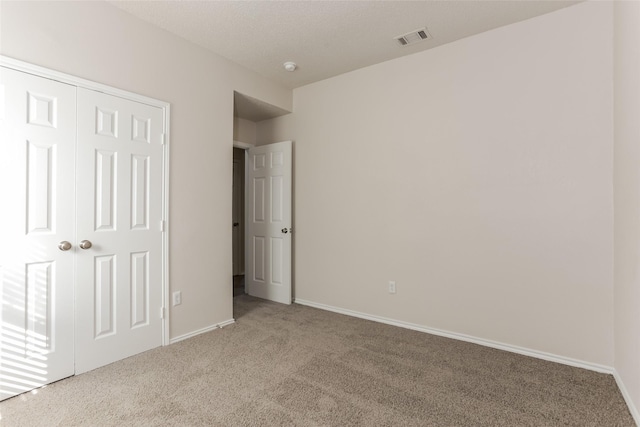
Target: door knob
[[64, 245], [85, 244], [284, 230], [235, 224]]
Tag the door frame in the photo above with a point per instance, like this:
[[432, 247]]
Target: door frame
[[242, 145], [36, 70]]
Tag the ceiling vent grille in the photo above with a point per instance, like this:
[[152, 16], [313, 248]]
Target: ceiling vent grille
[[413, 37]]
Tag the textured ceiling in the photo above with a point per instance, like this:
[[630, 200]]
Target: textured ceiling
[[325, 38]]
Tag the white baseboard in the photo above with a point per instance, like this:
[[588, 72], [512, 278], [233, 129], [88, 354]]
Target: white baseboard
[[226, 323], [627, 398], [462, 337], [201, 331]]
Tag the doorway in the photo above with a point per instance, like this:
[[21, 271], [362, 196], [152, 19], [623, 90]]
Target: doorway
[[238, 221], [248, 113]]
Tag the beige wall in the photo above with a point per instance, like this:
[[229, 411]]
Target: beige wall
[[244, 131], [477, 175], [627, 199], [281, 128], [96, 41]]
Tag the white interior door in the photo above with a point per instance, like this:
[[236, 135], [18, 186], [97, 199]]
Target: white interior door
[[37, 199], [119, 292], [268, 218]]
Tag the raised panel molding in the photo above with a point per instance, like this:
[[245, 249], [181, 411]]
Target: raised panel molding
[[140, 129], [106, 122], [40, 284], [41, 187], [259, 201], [277, 159], [139, 289], [105, 182], [140, 192], [259, 161], [277, 249], [41, 110], [258, 259], [104, 296], [277, 206]]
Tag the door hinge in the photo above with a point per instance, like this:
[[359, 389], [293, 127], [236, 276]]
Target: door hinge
[[164, 139], [163, 225], [162, 312]]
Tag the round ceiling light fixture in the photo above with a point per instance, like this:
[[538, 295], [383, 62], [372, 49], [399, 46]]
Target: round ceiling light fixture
[[290, 66]]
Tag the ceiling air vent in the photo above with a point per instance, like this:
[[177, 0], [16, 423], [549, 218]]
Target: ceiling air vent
[[413, 37]]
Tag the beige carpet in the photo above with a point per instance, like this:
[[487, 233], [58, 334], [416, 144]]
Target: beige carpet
[[295, 365]]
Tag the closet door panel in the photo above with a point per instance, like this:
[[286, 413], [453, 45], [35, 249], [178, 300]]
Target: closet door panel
[[120, 157], [37, 190]]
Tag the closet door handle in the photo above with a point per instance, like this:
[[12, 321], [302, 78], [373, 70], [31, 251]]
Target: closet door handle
[[64, 245], [85, 244]]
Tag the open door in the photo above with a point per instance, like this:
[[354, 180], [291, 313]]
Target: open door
[[268, 222]]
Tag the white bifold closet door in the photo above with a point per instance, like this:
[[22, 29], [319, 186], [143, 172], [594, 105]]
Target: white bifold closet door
[[119, 205], [80, 232], [37, 197]]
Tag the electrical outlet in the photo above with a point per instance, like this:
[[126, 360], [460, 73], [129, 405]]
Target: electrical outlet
[[177, 298], [392, 287]]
